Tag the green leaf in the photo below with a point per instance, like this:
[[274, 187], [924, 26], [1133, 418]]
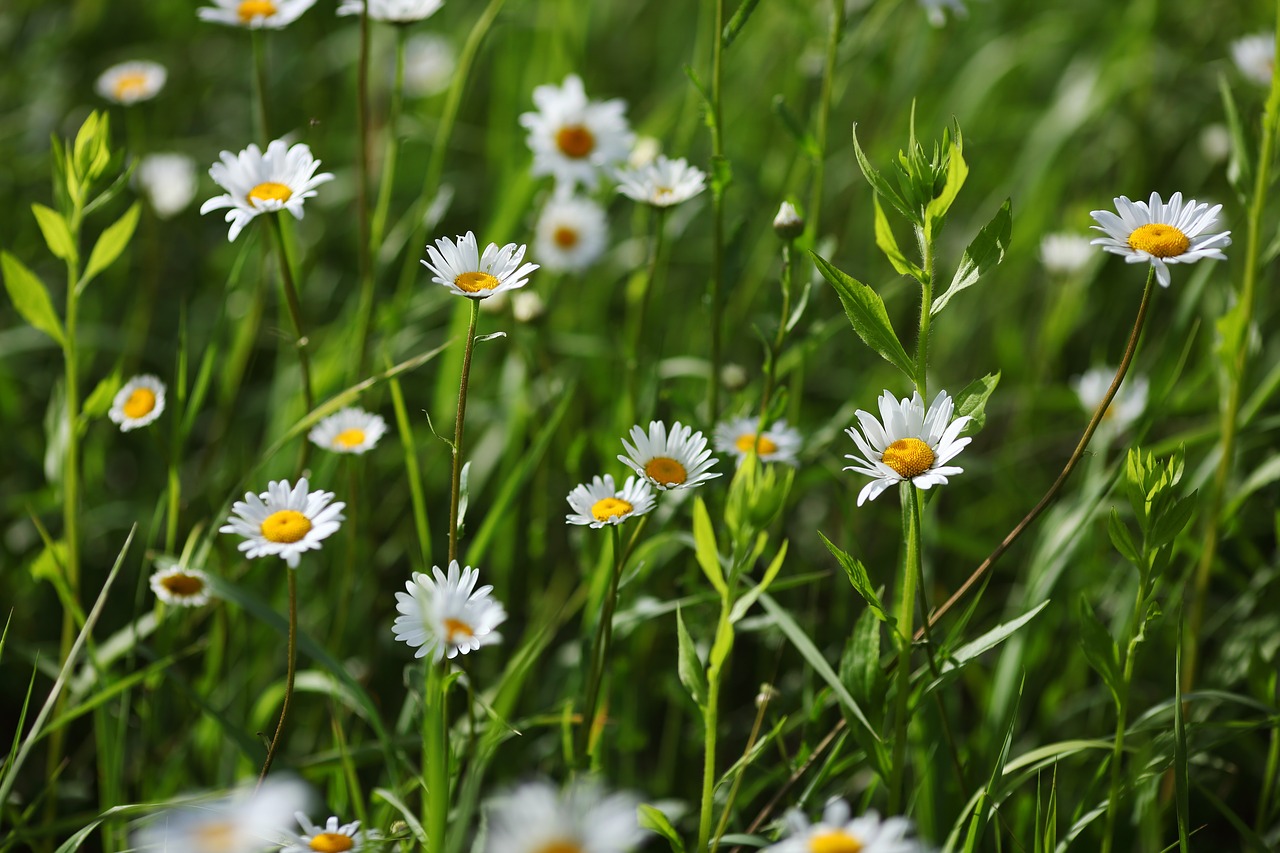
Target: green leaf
[[720, 647], [880, 184], [85, 148], [860, 668], [986, 250], [868, 316], [655, 821], [957, 172], [889, 245], [1240, 160], [1099, 648], [737, 22], [99, 400], [688, 667], [30, 297], [1172, 520], [704, 542], [110, 244], [1122, 540], [858, 578], [742, 605], [988, 641], [57, 236], [972, 401]]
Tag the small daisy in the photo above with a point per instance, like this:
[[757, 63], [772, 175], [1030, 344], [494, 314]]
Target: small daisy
[[461, 268], [1126, 407], [663, 183], [130, 82], [255, 14], [779, 443], [1255, 56], [1160, 234], [331, 838], [910, 445], [573, 138], [138, 403], [571, 233], [600, 502], [537, 818], [179, 586], [936, 10], [680, 460], [284, 521], [393, 11], [448, 615], [429, 62], [837, 833], [351, 430], [256, 183], [1064, 254], [248, 819]]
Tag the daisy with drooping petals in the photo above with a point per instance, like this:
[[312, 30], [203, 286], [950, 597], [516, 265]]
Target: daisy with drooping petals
[[584, 818], [779, 443], [138, 403], [393, 11], [600, 502], [447, 616], [130, 82], [179, 586], [1126, 406], [252, 818], [662, 183], [1255, 56], [837, 832], [461, 268], [352, 430], [1161, 233], [571, 233], [169, 181], [255, 14], [281, 179], [909, 445], [1064, 254], [679, 460], [331, 838], [284, 521], [573, 138]]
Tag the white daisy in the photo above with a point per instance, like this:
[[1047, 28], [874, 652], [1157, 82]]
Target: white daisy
[[571, 233], [936, 10], [179, 586], [169, 181], [680, 460], [837, 833], [600, 502], [255, 14], [393, 11], [461, 268], [284, 521], [130, 82], [1160, 234], [1065, 253], [256, 183], [351, 430], [779, 443], [1255, 56], [248, 819], [662, 183], [448, 615], [910, 445], [573, 138], [429, 62], [1126, 407], [527, 306], [138, 403], [537, 818], [331, 838]]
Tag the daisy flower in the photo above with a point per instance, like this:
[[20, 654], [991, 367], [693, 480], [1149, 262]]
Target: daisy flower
[[910, 445], [429, 62], [179, 586], [537, 818], [351, 430], [447, 616], [600, 502], [1126, 407], [130, 82], [138, 403], [936, 10], [662, 183], [255, 14], [571, 233], [1160, 234], [527, 306], [779, 443], [331, 838], [837, 833], [680, 460], [284, 521], [393, 11], [257, 183], [248, 819], [169, 182], [1255, 56], [461, 268], [1064, 254], [573, 138]]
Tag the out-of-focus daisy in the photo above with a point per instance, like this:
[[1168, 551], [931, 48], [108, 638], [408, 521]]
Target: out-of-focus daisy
[[573, 138], [600, 502], [461, 268], [284, 521], [1126, 407], [447, 616], [1161, 233], [1066, 253], [247, 820], [393, 11], [351, 430], [169, 181], [1215, 142], [779, 443], [584, 818], [837, 832], [527, 306], [788, 223], [179, 586], [331, 838], [571, 233], [429, 62], [255, 14], [936, 10], [130, 82], [662, 183], [908, 445], [281, 179], [138, 403], [1255, 56], [679, 460]]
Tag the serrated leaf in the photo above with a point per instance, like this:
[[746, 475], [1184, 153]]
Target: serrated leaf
[[99, 401], [111, 243], [1122, 541], [858, 578], [30, 297], [704, 547], [889, 245], [867, 314], [1099, 648], [688, 666], [972, 401], [655, 821], [957, 172], [57, 236], [879, 184], [986, 250]]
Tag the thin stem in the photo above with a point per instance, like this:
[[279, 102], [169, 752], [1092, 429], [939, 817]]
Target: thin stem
[[710, 731], [1122, 705], [642, 310], [289, 674], [906, 615], [364, 312], [295, 315], [456, 487], [824, 113], [387, 184], [260, 86], [435, 757], [723, 823], [717, 204], [1265, 804], [926, 312], [600, 651], [779, 337]]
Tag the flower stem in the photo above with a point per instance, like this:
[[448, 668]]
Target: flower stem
[[364, 310], [600, 652], [824, 113], [435, 756], [775, 348], [717, 204], [1122, 705], [926, 313], [710, 733], [289, 674], [300, 338], [260, 86], [642, 310], [906, 614], [456, 487], [383, 208]]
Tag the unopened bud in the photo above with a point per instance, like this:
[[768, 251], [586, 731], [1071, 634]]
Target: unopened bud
[[788, 224]]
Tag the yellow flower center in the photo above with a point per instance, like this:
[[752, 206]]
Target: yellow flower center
[[474, 282], [834, 841], [763, 445], [910, 457], [183, 585], [453, 628], [140, 403], [565, 238], [575, 141], [128, 85], [663, 193], [607, 508], [250, 9], [220, 836], [663, 469], [353, 437], [269, 191], [285, 525], [560, 845], [1162, 241], [331, 842]]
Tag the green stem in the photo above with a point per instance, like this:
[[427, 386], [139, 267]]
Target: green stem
[[642, 310], [926, 312], [775, 348], [364, 311], [911, 569], [1122, 705], [260, 86], [387, 184], [600, 652], [824, 113], [710, 731], [1265, 804], [717, 204], [723, 823], [295, 315], [435, 757], [289, 674], [456, 487]]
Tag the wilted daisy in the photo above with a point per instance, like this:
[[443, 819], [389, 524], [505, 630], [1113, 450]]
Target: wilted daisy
[[351, 430], [1255, 56], [571, 233], [393, 11], [255, 14], [130, 82], [169, 181], [679, 460], [429, 62], [246, 820], [537, 818], [284, 521], [179, 586], [936, 10], [1064, 254], [138, 403], [447, 616], [838, 833], [1126, 407], [461, 268], [1160, 234], [909, 445], [256, 183], [600, 502], [331, 838], [779, 443], [662, 183], [573, 138]]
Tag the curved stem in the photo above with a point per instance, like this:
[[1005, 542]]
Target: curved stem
[[289, 674], [300, 338], [456, 487]]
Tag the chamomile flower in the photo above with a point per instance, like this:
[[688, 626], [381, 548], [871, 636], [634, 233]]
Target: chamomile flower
[[249, 819], [1255, 56], [461, 268], [130, 82], [910, 444], [575, 139], [284, 521], [179, 586], [584, 818], [678, 460], [429, 62], [255, 14], [837, 832], [281, 179], [1064, 254], [571, 233], [351, 430], [331, 838], [600, 502], [662, 183], [779, 443], [1161, 233], [138, 403], [447, 616], [393, 11], [936, 10], [169, 181], [1126, 407]]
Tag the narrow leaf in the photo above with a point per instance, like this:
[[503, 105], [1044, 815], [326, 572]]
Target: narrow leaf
[[30, 297], [957, 172], [972, 401], [1122, 540], [655, 821], [704, 541], [688, 667], [742, 605], [858, 577], [111, 243], [56, 233], [889, 245], [868, 316], [99, 400], [737, 22], [1099, 648], [986, 250], [878, 182]]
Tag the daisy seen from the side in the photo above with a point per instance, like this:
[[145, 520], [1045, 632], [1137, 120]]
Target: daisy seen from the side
[[584, 818], [393, 11], [333, 837], [571, 233], [840, 832], [1161, 233], [444, 615], [251, 818], [138, 403], [255, 14], [461, 267], [351, 430], [662, 183], [281, 179], [679, 459], [907, 443], [573, 138], [778, 443], [131, 82], [601, 502], [284, 521], [1255, 56], [179, 586]]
